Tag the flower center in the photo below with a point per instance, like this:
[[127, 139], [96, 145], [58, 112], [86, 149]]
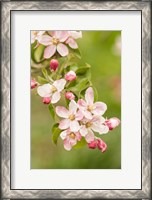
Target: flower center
[[53, 88], [88, 124], [90, 108], [72, 135], [55, 41], [72, 117]]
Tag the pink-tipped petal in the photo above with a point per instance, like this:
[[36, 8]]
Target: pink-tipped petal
[[87, 114], [101, 145], [60, 84], [74, 126], [79, 115], [61, 35], [62, 112], [49, 51], [45, 40], [100, 108], [73, 107], [67, 145], [82, 103], [83, 130], [44, 90], [89, 96], [72, 43], [90, 136], [64, 124], [78, 136], [62, 49], [55, 97], [100, 128]]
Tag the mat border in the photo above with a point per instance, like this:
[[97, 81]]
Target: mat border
[[6, 9]]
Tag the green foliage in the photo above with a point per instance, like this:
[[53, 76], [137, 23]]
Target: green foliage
[[55, 133], [80, 143]]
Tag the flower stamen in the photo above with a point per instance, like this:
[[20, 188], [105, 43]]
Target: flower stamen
[[72, 135], [72, 117], [55, 41], [90, 108], [88, 124]]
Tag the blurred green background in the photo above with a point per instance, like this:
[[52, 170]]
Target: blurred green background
[[102, 50]]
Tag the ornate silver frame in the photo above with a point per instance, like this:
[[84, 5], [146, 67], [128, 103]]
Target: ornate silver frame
[[144, 7]]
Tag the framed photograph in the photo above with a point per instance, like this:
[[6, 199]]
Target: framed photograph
[[76, 119]]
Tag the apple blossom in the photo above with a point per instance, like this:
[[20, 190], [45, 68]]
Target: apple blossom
[[71, 39], [71, 116], [53, 91], [112, 123], [36, 35], [69, 95], [55, 43], [96, 124], [54, 64], [88, 107], [70, 76], [33, 84], [46, 100], [70, 138]]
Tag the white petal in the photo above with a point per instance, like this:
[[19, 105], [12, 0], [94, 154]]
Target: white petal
[[63, 134], [73, 107], [75, 34], [62, 49], [64, 124], [45, 40], [55, 97], [62, 112], [89, 96], [74, 125], [83, 130], [44, 90], [49, 51], [90, 136], [59, 84]]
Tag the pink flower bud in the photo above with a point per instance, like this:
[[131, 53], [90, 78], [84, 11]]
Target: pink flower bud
[[46, 100], [70, 76], [69, 95], [93, 144], [54, 64], [101, 145], [33, 84], [112, 123]]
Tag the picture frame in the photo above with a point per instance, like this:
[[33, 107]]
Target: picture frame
[[7, 122]]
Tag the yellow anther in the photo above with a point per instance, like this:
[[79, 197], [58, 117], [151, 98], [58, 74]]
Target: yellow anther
[[72, 117], [72, 135], [90, 108], [55, 41], [88, 124]]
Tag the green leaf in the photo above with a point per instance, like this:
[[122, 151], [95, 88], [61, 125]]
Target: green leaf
[[55, 133], [42, 80], [52, 112], [81, 85], [38, 53], [82, 70], [80, 143]]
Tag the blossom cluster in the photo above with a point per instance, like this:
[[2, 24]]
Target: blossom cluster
[[82, 118], [56, 41]]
